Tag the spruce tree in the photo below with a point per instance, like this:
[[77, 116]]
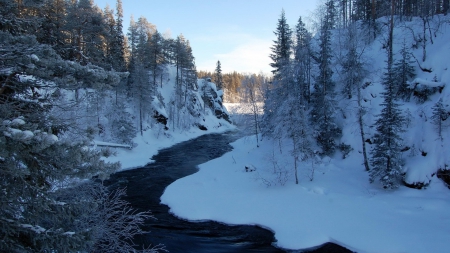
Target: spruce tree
[[281, 50], [302, 59], [439, 116], [386, 154], [275, 94], [218, 76], [404, 71], [324, 98]]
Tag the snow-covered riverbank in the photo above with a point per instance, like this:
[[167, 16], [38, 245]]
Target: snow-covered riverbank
[[149, 144], [339, 205]]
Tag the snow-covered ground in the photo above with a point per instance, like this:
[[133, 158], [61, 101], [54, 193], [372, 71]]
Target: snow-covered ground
[[339, 205]]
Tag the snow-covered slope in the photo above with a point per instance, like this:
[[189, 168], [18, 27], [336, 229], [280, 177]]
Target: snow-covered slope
[[334, 201], [425, 151], [206, 115]]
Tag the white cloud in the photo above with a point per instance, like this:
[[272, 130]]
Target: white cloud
[[251, 55]]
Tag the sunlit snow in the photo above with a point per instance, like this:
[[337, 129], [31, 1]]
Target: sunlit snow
[[334, 201]]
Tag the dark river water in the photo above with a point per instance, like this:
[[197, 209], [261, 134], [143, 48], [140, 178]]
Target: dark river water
[[146, 185]]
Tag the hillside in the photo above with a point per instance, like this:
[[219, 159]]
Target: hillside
[[424, 151], [334, 200], [207, 115]]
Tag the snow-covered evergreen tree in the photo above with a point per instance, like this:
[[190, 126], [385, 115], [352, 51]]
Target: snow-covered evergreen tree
[[281, 50], [403, 72], [35, 153], [218, 76], [302, 59], [439, 116], [275, 93], [156, 61], [118, 47], [386, 154], [323, 102]]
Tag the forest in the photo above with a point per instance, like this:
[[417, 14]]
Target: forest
[[350, 144], [69, 75], [317, 77]]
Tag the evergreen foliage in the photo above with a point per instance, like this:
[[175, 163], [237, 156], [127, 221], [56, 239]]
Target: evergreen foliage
[[58, 77], [302, 60], [439, 116], [386, 158], [118, 40], [37, 154], [231, 84], [281, 50], [218, 76], [324, 103], [403, 72]]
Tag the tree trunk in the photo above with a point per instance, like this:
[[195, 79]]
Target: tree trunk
[[391, 36], [424, 43], [445, 7], [255, 113], [361, 130], [140, 118], [373, 18], [295, 160]]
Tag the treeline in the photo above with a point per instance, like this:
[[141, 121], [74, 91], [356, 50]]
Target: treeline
[[348, 11], [232, 83], [81, 32], [314, 75]]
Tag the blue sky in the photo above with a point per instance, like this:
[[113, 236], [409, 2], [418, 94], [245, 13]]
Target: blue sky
[[239, 33]]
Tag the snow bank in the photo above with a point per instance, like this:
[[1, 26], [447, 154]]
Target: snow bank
[[339, 205]]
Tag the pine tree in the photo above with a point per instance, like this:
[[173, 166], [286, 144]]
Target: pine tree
[[142, 92], [52, 30], [86, 31], [35, 152], [118, 49], [281, 50], [386, 158], [156, 58], [110, 23]]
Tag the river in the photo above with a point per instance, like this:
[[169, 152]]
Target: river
[[146, 185]]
